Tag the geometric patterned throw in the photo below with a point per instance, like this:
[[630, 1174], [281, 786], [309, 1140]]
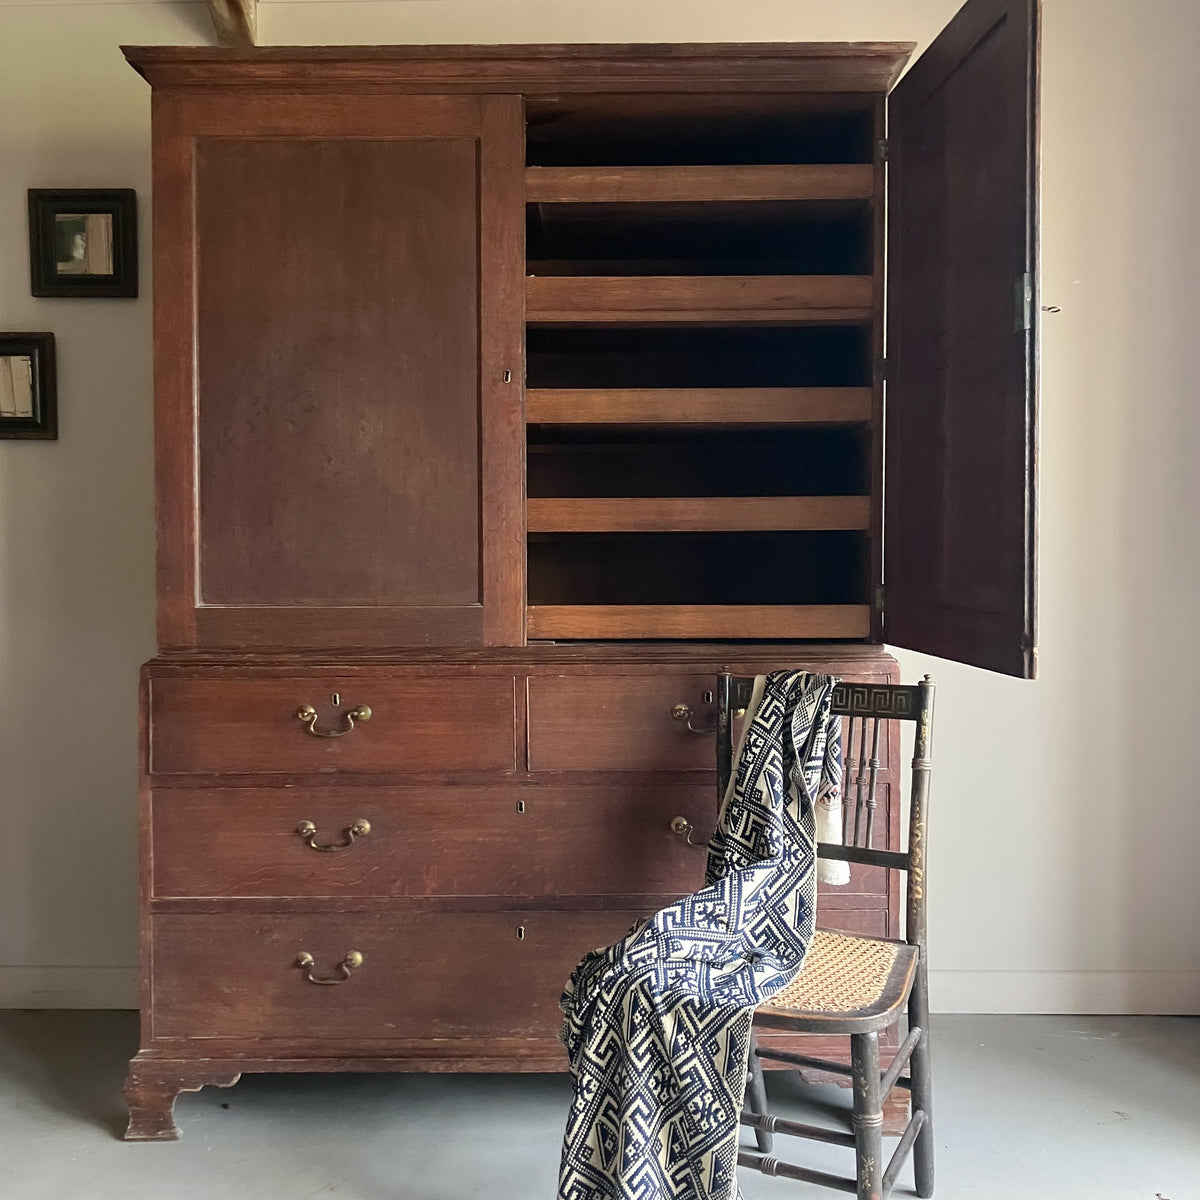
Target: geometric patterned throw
[[657, 1026]]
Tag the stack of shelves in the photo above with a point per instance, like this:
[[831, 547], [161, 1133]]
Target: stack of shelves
[[702, 321]]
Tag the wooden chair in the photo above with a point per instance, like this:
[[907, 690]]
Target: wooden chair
[[855, 985]]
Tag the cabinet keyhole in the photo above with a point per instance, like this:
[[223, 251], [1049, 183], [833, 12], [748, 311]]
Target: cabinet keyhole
[[708, 697]]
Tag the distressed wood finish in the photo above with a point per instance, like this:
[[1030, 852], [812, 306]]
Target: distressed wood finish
[[718, 407], [557, 840], [845, 621], [417, 723], [341, 433], [714, 298], [422, 975], [962, 246], [598, 185], [703, 67], [640, 514], [227, 880], [302, 527], [628, 720]]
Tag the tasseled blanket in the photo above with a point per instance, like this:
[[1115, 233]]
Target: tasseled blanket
[[657, 1027]]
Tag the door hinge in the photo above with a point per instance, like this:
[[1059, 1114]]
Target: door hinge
[[879, 598], [881, 149], [881, 368], [1023, 303]]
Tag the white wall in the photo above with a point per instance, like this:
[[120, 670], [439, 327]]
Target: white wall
[[1064, 820]]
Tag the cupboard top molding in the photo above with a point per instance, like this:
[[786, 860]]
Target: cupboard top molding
[[871, 67]]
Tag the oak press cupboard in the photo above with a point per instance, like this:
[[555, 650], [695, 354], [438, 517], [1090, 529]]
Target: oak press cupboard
[[505, 396]]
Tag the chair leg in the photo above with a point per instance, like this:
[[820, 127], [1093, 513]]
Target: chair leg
[[868, 1115], [756, 1094], [921, 1071]]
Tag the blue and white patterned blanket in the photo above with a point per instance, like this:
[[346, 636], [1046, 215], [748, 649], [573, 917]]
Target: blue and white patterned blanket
[[657, 1027]]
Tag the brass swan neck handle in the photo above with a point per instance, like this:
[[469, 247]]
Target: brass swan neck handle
[[308, 714]]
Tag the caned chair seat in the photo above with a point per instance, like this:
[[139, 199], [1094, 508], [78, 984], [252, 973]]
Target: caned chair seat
[[847, 984]]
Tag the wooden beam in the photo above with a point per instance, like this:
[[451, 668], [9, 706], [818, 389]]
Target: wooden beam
[[236, 21]]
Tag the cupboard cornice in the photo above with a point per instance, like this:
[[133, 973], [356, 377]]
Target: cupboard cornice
[[687, 67]]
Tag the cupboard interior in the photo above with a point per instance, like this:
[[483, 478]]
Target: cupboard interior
[[720, 568], [652, 129], [762, 497]]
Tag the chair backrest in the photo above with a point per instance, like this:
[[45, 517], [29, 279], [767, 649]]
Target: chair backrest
[[864, 708]]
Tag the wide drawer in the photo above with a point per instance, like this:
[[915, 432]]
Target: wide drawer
[[417, 723], [622, 722], [423, 975], [445, 841]]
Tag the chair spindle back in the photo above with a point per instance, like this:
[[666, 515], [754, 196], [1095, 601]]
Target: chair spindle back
[[865, 709]]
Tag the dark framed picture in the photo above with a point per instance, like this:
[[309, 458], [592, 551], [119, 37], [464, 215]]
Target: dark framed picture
[[28, 395], [83, 243]]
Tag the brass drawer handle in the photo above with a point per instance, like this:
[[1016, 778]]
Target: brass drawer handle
[[351, 962], [308, 831], [683, 829], [681, 712], [308, 715]]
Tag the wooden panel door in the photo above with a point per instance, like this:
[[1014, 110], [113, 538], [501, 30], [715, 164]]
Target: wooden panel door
[[338, 380], [962, 305]]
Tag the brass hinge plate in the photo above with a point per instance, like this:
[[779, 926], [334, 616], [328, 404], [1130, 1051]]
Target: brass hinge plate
[[1023, 303]]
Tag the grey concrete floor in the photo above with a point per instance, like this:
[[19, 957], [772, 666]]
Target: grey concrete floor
[[1028, 1108]]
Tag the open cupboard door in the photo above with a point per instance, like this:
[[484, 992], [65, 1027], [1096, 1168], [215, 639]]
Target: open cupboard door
[[959, 543]]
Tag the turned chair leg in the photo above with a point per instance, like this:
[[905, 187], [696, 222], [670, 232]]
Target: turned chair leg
[[756, 1094], [868, 1115], [921, 1071]]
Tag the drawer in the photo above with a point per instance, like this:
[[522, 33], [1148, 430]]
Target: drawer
[[417, 723], [621, 723], [444, 841], [423, 975]]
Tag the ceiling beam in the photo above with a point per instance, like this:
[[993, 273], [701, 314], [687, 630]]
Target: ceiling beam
[[236, 21]]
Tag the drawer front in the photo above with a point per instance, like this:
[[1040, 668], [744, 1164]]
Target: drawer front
[[621, 723], [423, 975], [444, 841], [417, 723]]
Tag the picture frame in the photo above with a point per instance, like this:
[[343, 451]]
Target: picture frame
[[83, 242], [28, 386]]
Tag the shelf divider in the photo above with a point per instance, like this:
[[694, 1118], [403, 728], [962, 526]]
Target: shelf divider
[[609, 185], [640, 299], [705, 514], [832, 622], [698, 406]]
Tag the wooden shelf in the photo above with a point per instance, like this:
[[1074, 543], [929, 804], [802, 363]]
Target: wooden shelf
[[832, 622], [604, 185], [698, 406], [639, 299], [705, 514]]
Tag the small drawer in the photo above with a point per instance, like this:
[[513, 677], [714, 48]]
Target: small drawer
[[445, 841], [622, 723], [422, 975], [248, 726]]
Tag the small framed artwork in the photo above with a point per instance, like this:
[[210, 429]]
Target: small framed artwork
[[28, 399], [83, 243]]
